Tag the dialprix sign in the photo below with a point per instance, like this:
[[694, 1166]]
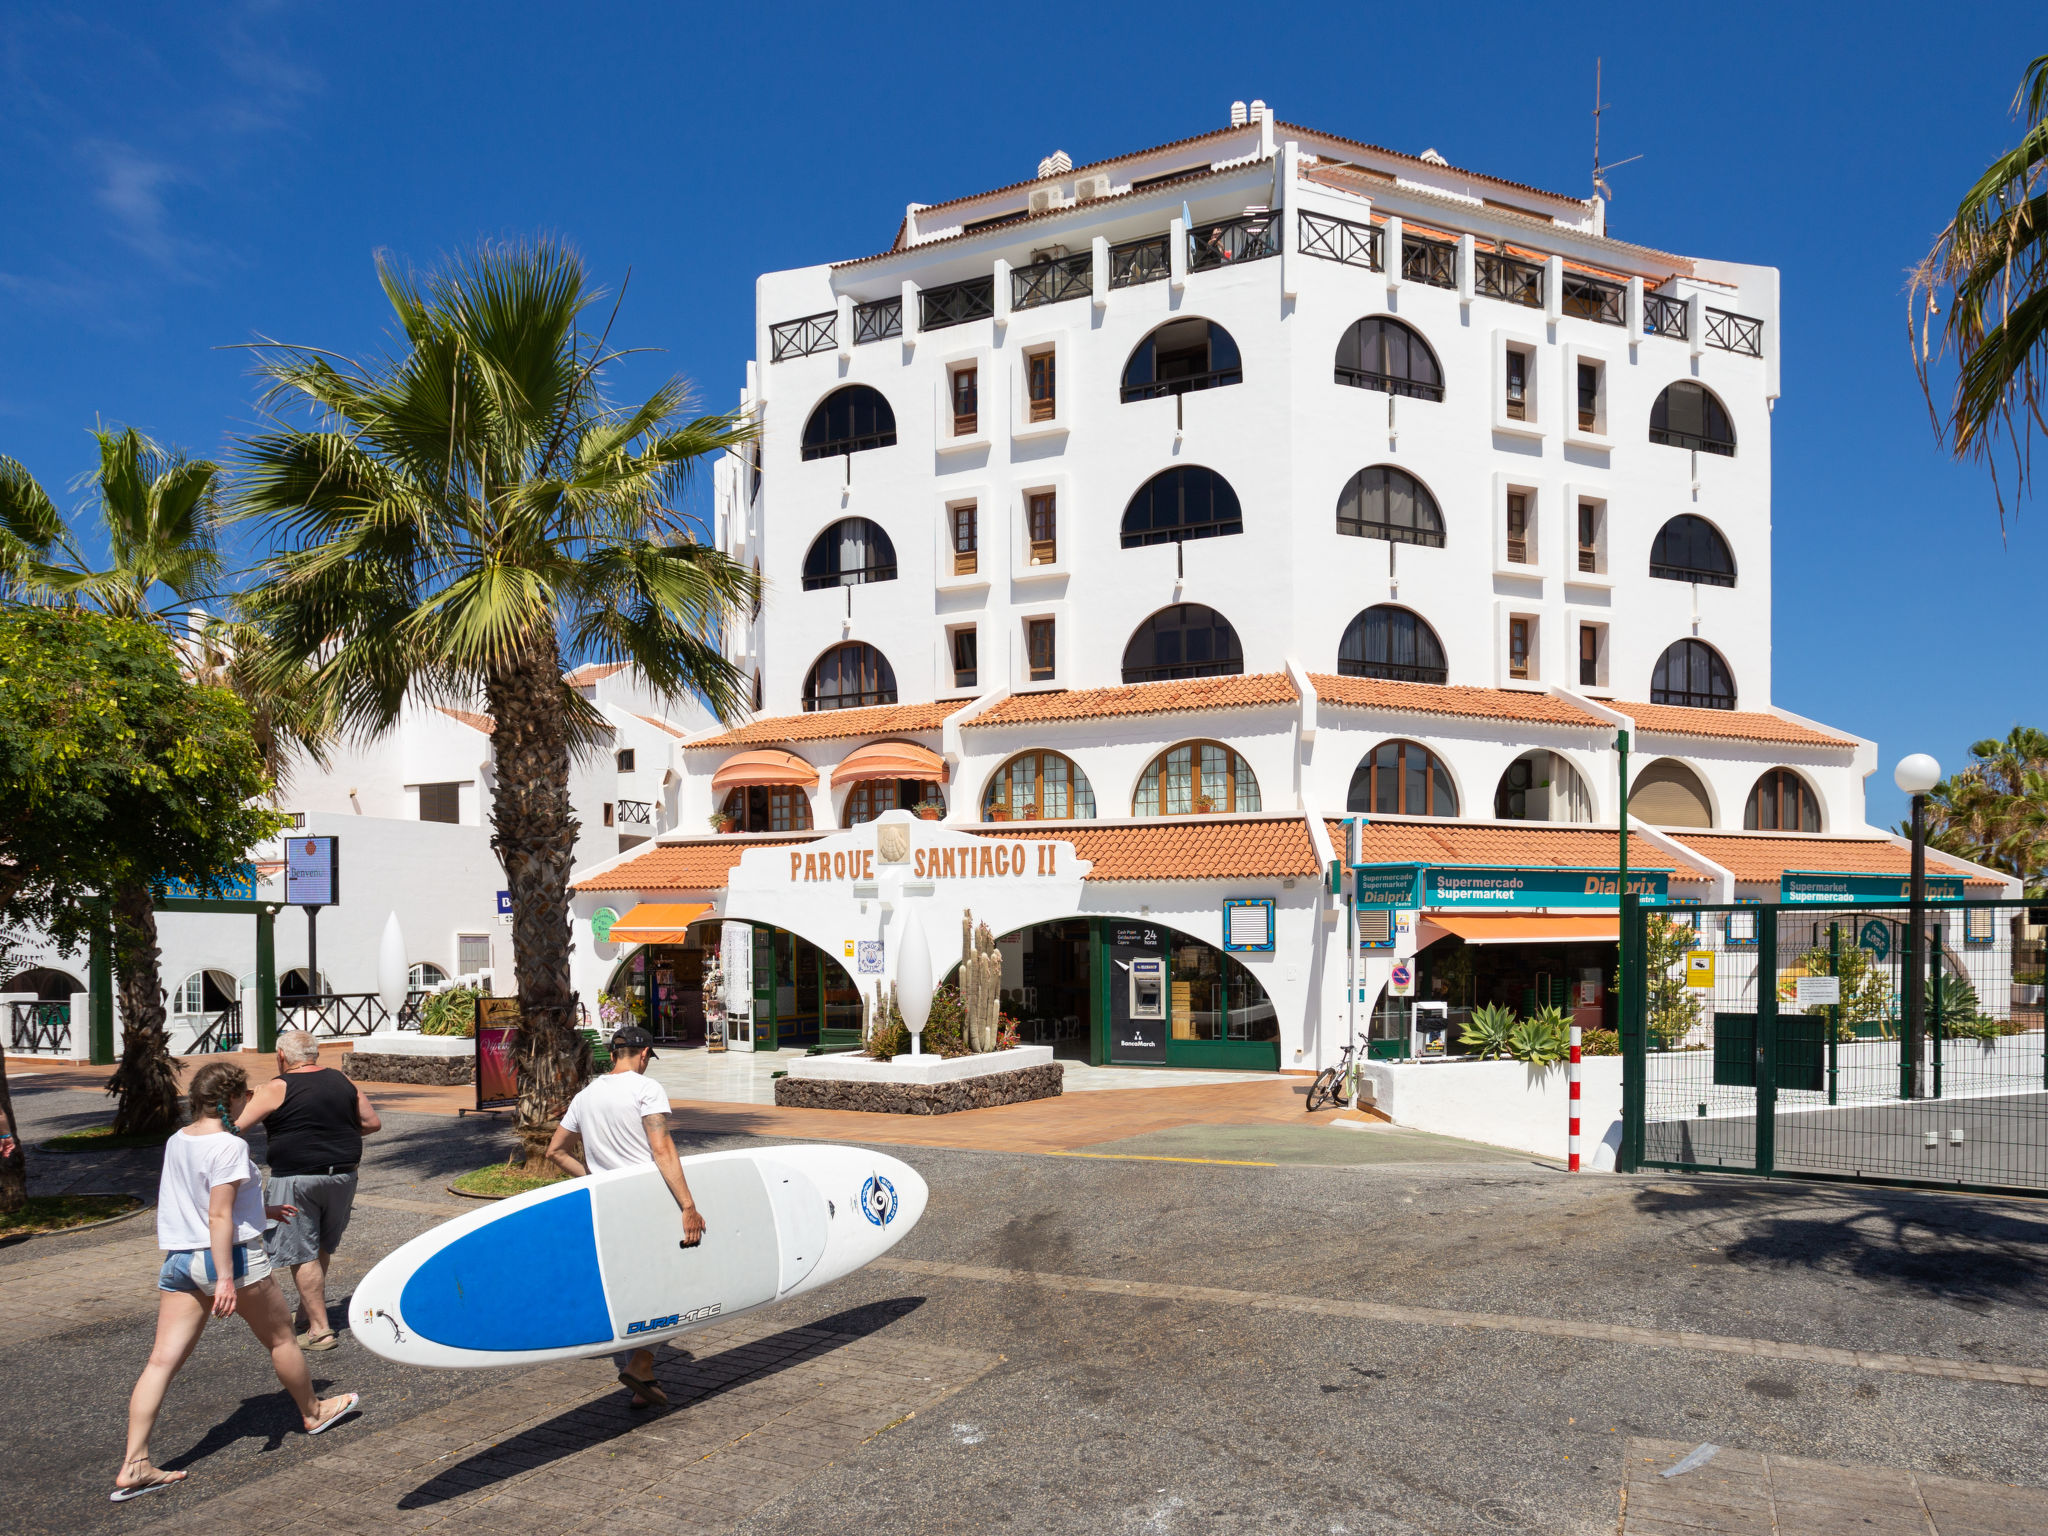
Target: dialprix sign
[[1387, 885], [1816, 888], [1599, 888]]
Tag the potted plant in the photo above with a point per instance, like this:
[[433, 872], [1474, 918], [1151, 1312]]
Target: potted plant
[[721, 822], [1204, 805], [999, 812], [1031, 813], [929, 810]]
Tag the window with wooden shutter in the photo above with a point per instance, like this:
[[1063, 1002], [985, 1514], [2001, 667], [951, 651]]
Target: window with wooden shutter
[[1040, 375], [1043, 510]]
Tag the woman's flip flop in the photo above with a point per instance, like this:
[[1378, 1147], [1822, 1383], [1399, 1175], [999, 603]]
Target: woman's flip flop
[[158, 1481], [338, 1415], [646, 1393]]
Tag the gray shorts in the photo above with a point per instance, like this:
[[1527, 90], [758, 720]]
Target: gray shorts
[[324, 1201]]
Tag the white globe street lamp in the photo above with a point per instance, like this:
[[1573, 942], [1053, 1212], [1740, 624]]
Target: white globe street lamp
[[1917, 773]]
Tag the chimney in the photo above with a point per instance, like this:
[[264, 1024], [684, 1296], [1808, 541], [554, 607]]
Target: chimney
[[1237, 114], [1258, 110], [1055, 164]]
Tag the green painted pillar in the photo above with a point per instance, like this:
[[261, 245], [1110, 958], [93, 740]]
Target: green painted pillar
[[100, 987], [266, 980]]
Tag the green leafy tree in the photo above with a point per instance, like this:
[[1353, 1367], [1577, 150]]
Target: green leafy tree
[[116, 774], [457, 518], [1981, 294], [1995, 811], [1673, 1007]]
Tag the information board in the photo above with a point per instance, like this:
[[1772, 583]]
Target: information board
[[240, 886], [497, 1070], [312, 877], [1248, 924]]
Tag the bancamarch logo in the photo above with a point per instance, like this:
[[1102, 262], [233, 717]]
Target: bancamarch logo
[[878, 1200], [652, 1324]]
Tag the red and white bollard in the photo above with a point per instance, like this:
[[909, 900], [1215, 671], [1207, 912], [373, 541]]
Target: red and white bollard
[[1572, 1078]]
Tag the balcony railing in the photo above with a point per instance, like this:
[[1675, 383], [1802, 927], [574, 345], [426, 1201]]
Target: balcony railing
[[1228, 242], [1387, 383], [877, 321], [1588, 298], [1663, 316], [222, 1032], [1340, 240], [1139, 261], [1503, 277], [957, 303], [1423, 260], [1672, 438], [43, 1026], [636, 813], [800, 338], [1735, 333], [1047, 282], [336, 1013], [1158, 389]]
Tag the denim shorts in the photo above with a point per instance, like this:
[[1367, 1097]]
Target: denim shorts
[[191, 1269]]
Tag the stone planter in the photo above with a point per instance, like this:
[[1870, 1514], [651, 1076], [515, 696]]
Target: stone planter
[[921, 1085], [439, 1061]]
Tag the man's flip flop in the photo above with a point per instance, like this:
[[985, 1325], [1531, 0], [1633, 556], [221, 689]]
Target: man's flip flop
[[327, 1340], [156, 1484], [646, 1391], [338, 1415]]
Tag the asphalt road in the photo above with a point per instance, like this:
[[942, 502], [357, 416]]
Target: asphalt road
[[1127, 1414]]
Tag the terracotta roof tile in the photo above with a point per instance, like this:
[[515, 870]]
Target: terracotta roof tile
[[1441, 699], [1183, 694], [1748, 856], [592, 672], [470, 718], [825, 724], [1735, 724], [660, 725], [1531, 846], [1186, 847], [701, 866]]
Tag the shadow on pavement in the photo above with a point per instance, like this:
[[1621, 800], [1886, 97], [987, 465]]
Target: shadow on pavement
[[608, 1417]]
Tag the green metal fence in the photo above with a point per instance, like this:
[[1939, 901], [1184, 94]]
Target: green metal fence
[[1780, 1040]]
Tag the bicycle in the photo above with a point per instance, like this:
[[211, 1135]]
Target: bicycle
[[1329, 1088]]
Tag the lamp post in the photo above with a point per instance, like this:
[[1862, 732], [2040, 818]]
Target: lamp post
[[1916, 775]]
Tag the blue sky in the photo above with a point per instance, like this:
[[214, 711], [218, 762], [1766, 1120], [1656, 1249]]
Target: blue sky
[[180, 180]]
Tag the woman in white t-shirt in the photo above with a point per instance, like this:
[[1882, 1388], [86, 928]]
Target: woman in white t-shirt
[[210, 1218]]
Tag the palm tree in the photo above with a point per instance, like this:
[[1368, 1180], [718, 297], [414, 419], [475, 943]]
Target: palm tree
[[460, 516], [1992, 261], [1995, 811]]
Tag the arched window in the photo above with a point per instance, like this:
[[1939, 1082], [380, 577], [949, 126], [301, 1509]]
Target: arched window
[[1389, 642], [1180, 356], [1781, 802], [1186, 503], [1383, 354], [849, 676], [1542, 786], [1669, 794], [424, 977], [48, 985], [1402, 778], [852, 551], [1689, 548], [204, 992], [1692, 673], [1186, 640], [1388, 503], [1689, 415], [1038, 786], [849, 420], [769, 808], [1197, 778]]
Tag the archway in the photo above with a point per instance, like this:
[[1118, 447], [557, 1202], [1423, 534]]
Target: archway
[[797, 994], [1669, 794]]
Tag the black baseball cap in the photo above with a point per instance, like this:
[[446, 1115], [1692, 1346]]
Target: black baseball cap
[[633, 1038]]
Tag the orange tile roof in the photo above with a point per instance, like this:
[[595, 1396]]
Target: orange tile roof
[[1441, 699], [1529, 846], [1736, 724], [824, 724], [470, 718], [592, 672], [1748, 856], [680, 866], [661, 725], [1182, 694], [1186, 848]]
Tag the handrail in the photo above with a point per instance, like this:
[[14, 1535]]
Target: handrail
[[635, 813], [1433, 262], [339, 1013], [1664, 316], [1735, 333], [957, 303], [1588, 298], [1049, 281], [1158, 389], [1227, 242], [40, 1026], [1139, 261], [802, 337], [1340, 240], [878, 320], [223, 1034], [1500, 276]]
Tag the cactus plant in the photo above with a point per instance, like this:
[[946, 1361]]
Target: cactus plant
[[981, 981]]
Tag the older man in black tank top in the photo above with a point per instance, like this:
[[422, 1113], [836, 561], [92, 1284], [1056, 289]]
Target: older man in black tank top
[[316, 1118]]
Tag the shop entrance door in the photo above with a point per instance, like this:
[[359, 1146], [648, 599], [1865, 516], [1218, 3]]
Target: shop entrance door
[[802, 996]]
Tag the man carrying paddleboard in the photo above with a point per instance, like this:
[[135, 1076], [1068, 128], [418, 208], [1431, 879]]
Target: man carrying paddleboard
[[623, 1120]]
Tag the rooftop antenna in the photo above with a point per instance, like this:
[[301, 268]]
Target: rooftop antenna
[[1600, 187]]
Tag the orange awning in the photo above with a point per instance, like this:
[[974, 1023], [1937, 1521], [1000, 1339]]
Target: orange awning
[[890, 760], [657, 922], [1503, 928], [768, 766]]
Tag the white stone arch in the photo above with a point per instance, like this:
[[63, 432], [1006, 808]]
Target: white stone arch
[[1145, 766], [1436, 750], [1716, 815]]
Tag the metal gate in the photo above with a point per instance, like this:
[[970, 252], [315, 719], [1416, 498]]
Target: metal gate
[[1778, 1039]]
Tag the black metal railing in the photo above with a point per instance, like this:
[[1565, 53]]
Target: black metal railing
[[1500, 276], [635, 813], [337, 1013], [1139, 261], [1588, 298], [1365, 378], [956, 303], [878, 321], [1340, 240], [409, 1011], [40, 1026], [1671, 438], [1047, 282], [223, 1032], [1393, 671], [1735, 333], [1434, 262], [1158, 389], [800, 338], [1663, 316], [1226, 242]]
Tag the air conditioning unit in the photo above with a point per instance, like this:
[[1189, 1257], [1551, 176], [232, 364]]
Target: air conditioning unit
[[1045, 199], [1091, 187]]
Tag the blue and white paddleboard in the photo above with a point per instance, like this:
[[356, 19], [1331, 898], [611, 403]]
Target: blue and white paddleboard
[[597, 1264]]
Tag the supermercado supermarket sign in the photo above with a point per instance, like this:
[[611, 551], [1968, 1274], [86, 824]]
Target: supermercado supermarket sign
[[1481, 887], [1814, 888]]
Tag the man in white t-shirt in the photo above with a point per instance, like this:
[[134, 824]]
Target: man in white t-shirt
[[623, 1120]]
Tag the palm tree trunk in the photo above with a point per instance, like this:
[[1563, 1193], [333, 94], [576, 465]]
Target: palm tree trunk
[[145, 1085], [13, 1167], [535, 838]]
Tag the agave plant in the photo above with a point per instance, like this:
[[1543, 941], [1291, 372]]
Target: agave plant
[[1542, 1040], [1488, 1031]]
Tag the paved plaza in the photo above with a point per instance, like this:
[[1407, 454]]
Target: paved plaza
[[1189, 1308]]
